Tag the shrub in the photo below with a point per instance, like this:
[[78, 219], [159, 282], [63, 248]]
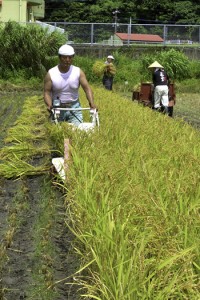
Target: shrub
[[27, 47], [175, 63]]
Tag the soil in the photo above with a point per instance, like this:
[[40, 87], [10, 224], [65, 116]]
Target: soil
[[27, 271], [19, 260]]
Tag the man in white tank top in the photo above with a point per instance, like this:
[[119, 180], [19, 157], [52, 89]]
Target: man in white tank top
[[62, 82]]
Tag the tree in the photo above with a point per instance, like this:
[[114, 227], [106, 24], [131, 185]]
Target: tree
[[186, 12], [140, 11]]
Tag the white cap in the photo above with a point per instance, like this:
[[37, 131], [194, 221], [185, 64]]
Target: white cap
[[66, 50], [110, 56]]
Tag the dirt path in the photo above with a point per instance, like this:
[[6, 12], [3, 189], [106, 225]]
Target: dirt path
[[15, 269], [65, 263], [37, 259]]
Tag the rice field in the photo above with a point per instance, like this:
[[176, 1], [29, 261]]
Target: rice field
[[130, 204]]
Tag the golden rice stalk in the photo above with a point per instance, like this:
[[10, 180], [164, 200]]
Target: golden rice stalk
[[99, 68], [137, 87], [18, 168], [111, 69]]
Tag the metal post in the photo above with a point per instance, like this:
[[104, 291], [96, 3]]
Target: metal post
[[129, 32], [165, 31], [199, 34], [92, 34]]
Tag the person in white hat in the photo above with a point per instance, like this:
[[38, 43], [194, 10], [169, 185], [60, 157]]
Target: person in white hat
[[62, 83], [109, 73], [161, 87]]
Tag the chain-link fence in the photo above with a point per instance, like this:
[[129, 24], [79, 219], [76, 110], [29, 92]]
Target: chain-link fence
[[105, 33]]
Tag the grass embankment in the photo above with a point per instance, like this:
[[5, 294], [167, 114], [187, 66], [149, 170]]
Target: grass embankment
[[132, 195]]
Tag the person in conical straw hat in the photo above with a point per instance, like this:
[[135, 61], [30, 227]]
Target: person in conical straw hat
[[161, 87]]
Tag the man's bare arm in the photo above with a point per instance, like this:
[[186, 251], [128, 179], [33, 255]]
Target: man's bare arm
[[87, 89], [47, 91]]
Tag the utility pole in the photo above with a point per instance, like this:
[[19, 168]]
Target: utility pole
[[115, 13]]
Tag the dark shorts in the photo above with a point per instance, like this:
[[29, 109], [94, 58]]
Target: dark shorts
[[108, 82]]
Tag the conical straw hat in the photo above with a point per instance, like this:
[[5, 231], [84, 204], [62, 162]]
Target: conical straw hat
[[155, 65]]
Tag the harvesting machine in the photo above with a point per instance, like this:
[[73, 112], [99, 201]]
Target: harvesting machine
[[145, 96], [61, 163]]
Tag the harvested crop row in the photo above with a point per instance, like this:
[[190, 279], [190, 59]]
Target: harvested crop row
[[35, 244]]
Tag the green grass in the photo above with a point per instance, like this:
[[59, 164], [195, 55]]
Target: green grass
[[188, 108]]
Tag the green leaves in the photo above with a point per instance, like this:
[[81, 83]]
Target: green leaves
[[27, 47], [176, 64], [186, 12], [174, 61]]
